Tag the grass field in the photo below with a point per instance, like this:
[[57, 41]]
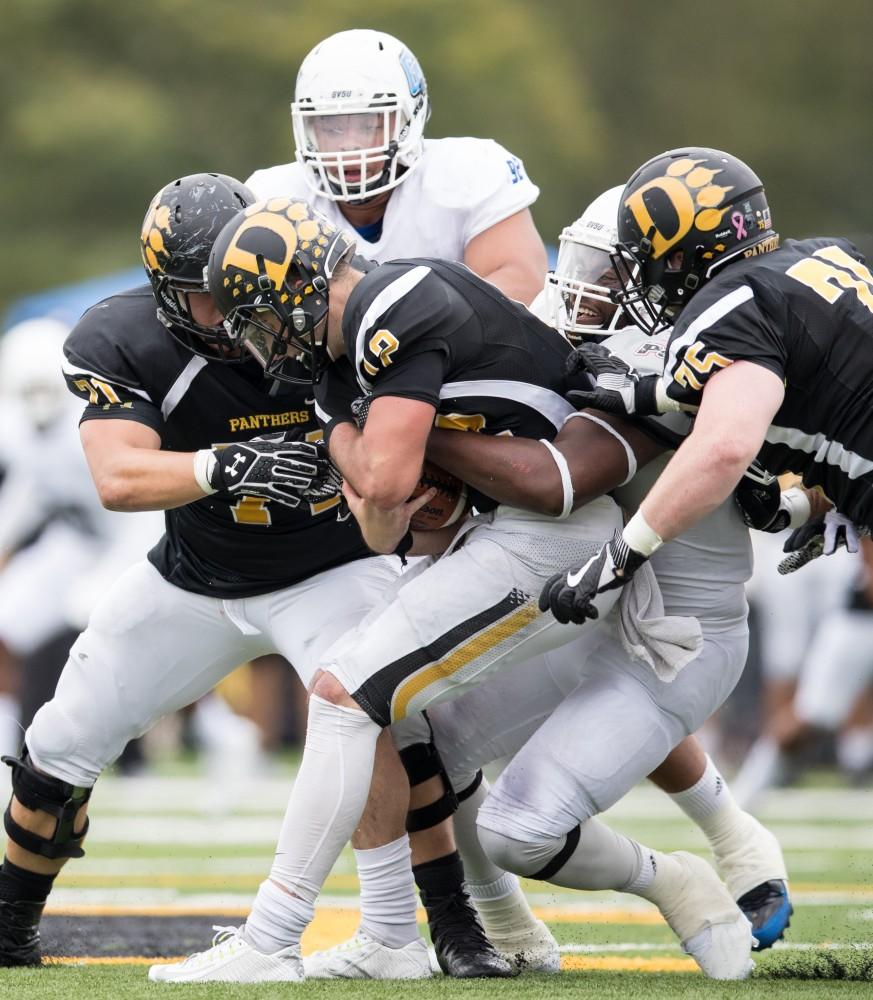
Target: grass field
[[165, 863]]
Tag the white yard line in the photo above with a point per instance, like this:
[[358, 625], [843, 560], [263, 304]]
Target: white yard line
[[634, 946], [162, 829]]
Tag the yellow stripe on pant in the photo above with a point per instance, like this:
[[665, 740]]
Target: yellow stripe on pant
[[459, 658]]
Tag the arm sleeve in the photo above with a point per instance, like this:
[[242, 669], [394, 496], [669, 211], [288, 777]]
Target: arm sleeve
[[732, 328]]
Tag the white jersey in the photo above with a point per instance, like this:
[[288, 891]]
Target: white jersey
[[81, 547], [703, 571], [47, 477], [460, 188]]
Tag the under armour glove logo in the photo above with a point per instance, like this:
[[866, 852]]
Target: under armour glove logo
[[277, 469], [572, 595], [238, 459]]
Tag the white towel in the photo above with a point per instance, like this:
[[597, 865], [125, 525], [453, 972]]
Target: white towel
[[665, 642]]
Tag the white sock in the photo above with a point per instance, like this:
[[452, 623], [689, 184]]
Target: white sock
[[705, 797], [855, 749], [388, 900], [765, 765], [277, 919], [658, 874], [502, 905], [325, 805]]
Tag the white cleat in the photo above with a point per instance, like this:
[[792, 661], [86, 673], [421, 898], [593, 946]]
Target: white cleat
[[748, 856], [231, 959], [713, 931], [363, 958], [532, 950]]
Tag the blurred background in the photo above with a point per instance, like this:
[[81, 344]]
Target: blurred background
[[104, 103]]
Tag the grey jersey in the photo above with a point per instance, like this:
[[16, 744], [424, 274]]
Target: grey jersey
[[703, 571]]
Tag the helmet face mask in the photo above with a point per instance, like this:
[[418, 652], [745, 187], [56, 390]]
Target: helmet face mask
[[581, 290], [358, 115], [584, 283], [683, 216], [179, 228], [290, 345], [269, 273]]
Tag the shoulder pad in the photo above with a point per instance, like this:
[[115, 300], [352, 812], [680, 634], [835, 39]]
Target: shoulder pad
[[460, 172]]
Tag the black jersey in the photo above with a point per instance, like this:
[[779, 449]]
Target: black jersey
[[127, 366], [432, 330], [805, 312]]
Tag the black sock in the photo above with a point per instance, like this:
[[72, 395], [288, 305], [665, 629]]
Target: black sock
[[17, 884], [441, 877]]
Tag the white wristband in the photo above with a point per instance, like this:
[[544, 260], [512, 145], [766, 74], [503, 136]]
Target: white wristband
[[796, 503], [566, 481], [204, 465], [631, 457], [640, 537]]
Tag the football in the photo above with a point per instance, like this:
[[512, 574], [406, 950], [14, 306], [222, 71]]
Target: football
[[446, 506]]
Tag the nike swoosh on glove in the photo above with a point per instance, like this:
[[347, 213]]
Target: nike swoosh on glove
[[600, 379], [571, 595]]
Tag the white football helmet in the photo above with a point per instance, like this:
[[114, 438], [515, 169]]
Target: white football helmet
[[578, 290], [358, 114], [31, 355]]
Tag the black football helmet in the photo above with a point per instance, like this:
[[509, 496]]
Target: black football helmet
[[178, 231], [269, 273], [703, 202]]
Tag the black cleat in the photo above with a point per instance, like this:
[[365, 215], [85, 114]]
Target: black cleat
[[19, 933], [462, 947], [768, 909]]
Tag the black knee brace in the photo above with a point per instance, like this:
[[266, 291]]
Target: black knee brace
[[422, 761], [41, 791]]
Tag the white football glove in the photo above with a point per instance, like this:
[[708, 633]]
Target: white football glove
[[818, 537]]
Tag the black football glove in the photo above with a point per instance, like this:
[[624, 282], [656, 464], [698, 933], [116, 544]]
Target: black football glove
[[759, 498], [819, 536], [572, 594], [599, 379], [361, 410], [276, 468]]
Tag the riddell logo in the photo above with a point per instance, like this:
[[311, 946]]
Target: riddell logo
[[339, 94]]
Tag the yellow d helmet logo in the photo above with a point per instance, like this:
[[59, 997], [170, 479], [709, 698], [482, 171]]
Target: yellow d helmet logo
[[695, 199], [291, 222], [155, 224]]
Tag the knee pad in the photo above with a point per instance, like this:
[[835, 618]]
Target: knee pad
[[422, 762], [538, 859], [35, 790]]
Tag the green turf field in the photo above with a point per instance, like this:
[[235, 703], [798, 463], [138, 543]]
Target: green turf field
[[167, 860]]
